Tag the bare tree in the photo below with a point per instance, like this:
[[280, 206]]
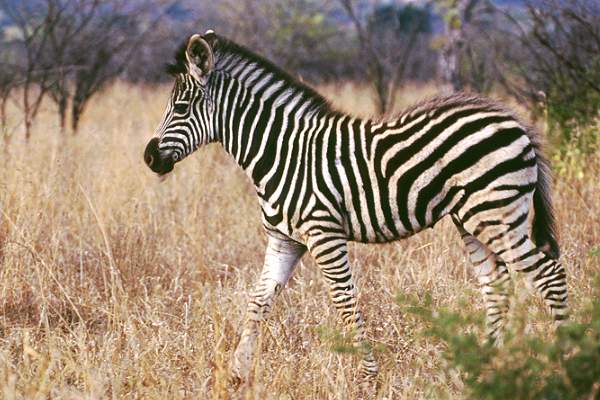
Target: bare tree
[[464, 56], [388, 52], [296, 34], [32, 21], [554, 58], [7, 84], [62, 37], [107, 44], [455, 13], [99, 54], [70, 49]]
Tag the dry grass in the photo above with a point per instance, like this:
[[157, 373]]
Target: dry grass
[[115, 285]]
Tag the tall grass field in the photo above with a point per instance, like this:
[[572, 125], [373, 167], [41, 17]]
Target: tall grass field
[[114, 284]]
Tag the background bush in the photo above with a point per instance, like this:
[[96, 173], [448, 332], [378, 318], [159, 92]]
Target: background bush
[[527, 366]]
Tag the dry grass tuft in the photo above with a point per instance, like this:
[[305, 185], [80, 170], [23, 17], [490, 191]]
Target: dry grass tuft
[[115, 285]]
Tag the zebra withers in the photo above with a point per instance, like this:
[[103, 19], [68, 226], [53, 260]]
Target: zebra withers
[[324, 178]]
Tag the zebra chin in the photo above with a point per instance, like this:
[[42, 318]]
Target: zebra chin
[[160, 162]]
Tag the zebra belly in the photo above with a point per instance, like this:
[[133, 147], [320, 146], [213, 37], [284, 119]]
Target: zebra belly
[[382, 229]]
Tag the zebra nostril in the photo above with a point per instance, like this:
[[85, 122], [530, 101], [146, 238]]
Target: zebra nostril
[[151, 152], [175, 157]]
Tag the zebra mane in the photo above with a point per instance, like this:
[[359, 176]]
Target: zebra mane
[[178, 66], [226, 49], [450, 101]]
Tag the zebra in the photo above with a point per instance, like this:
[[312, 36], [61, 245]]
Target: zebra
[[324, 178]]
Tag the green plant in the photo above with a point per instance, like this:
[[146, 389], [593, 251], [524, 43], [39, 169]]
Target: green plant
[[565, 366], [573, 145]]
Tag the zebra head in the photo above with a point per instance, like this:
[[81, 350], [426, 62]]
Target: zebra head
[[188, 120]]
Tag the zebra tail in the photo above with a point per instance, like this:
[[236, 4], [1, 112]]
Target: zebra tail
[[544, 221]]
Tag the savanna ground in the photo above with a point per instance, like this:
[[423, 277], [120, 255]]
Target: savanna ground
[[116, 285]]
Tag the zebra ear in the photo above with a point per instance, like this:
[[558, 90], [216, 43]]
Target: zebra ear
[[200, 58]]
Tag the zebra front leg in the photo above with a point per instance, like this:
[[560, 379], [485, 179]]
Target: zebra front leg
[[281, 257], [331, 255]]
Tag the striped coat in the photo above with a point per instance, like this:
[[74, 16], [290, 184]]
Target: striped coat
[[324, 178]]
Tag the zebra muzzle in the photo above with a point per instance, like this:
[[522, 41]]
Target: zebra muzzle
[[159, 162]]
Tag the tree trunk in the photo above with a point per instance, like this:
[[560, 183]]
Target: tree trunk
[[62, 113], [27, 128], [75, 122], [4, 127], [457, 18], [27, 110], [76, 111], [450, 66], [3, 120], [381, 90]]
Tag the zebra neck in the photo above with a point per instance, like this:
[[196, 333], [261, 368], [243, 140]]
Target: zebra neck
[[261, 125]]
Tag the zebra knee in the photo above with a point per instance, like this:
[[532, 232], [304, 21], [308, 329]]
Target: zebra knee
[[551, 281], [496, 313], [368, 368], [495, 335], [259, 305]]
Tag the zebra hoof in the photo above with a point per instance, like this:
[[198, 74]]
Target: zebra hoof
[[238, 388], [237, 377], [235, 381], [367, 387], [367, 382]]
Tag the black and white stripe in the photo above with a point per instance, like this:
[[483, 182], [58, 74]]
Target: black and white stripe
[[325, 178]]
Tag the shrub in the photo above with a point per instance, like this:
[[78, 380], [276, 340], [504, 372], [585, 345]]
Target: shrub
[[566, 366]]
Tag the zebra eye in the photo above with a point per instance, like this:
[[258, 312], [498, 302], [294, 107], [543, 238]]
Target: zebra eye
[[180, 108]]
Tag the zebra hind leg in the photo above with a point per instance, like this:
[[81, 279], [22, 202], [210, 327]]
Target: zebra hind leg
[[544, 273], [510, 239], [494, 282]]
